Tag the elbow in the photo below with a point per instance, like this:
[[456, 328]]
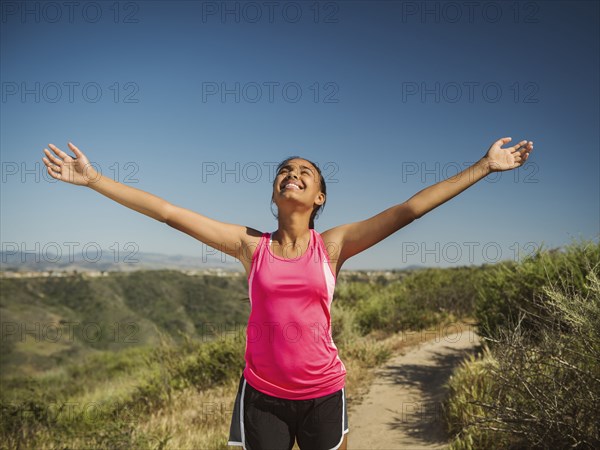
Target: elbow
[[413, 211], [164, 213]]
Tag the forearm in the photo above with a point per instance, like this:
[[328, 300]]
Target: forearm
[[133, 198], [433, 196]]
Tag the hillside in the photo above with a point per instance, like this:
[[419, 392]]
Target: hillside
[[49, 320], [138, 349]]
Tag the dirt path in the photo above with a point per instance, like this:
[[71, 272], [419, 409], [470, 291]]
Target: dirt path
[[402, 409]]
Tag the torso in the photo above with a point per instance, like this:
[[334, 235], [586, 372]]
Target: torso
[[288, 291]]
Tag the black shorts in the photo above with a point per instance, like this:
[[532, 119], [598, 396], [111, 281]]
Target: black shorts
[[262, 422]]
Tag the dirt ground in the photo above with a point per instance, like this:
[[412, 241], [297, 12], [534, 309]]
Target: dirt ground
[[402, 409]]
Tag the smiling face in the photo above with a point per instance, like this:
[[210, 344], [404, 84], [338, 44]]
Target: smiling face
[[298, 173], [298, 179]]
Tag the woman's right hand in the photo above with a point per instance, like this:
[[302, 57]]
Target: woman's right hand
[[75, 170]]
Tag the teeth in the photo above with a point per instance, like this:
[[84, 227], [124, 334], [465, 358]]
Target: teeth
[[290, 185]]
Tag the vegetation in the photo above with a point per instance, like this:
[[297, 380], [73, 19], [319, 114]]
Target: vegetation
[[187, 337], [537, 383], [49, 321]]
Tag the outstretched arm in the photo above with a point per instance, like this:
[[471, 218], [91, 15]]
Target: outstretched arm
[[225, 237], [356, 237], [497, 159]]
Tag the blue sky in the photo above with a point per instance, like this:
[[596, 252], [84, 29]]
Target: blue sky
[[386, 97]]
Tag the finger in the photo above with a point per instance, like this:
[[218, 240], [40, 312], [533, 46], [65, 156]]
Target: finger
[[53, 173], [519, 147], [53, 158], [54, 167], [500, 142], [58, 151], [522, 158], [529, 146], [75, 150], [46, 161]]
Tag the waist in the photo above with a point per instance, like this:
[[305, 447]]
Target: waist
[[304, 391], [293, 361]]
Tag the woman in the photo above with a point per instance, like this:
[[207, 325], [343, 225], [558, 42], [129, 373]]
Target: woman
[[293, 385]]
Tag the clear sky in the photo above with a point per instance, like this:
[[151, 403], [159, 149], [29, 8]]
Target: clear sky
[[197, 101]]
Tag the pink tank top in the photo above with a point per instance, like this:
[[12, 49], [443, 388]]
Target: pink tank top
[[289, 348]]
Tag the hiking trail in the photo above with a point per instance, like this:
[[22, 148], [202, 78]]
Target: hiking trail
[[402, 409]]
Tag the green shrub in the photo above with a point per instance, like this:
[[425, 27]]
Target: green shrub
[[175, 366], [349, 293], [543, 389], [344, 325], [421, 299], [512, 292], [471, 389]]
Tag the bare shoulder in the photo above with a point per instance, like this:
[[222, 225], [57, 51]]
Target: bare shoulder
[[250, 240], [333, 240]]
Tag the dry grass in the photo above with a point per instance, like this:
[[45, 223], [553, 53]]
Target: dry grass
[[194, 420], [201, 420]]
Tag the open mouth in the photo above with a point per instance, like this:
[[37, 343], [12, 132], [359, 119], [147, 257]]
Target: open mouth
[[291, 186]]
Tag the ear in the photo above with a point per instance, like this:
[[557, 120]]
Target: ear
[[320, 199]]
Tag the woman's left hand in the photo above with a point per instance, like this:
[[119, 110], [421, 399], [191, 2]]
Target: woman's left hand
[[500, 159]]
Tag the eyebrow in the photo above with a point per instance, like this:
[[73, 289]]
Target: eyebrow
[[287, 166]]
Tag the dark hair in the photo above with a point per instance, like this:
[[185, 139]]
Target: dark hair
[[311, 223]]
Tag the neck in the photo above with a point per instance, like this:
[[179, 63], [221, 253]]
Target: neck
[[292, 229]]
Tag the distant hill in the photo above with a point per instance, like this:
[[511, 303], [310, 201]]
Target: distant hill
[[48, 320], [32, 262], [20, 261], [25, 262]]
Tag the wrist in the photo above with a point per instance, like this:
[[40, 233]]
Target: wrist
[[484, 165], [92, 177]]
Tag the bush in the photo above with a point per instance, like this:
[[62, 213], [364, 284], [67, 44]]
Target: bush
[[344, 325], [421, 299], [470, 388], [188, 364], [514, 292], [543, 388]]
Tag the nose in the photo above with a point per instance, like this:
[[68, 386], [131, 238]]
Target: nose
[[292, 173]]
